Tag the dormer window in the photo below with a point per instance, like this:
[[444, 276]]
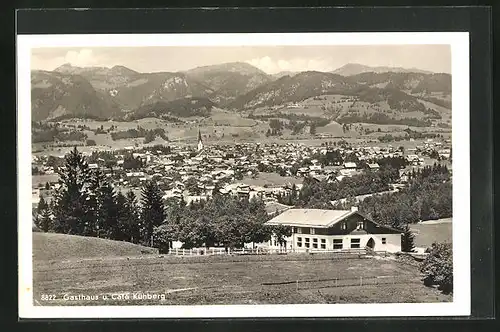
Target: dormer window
[[360, 225], [343, 225]]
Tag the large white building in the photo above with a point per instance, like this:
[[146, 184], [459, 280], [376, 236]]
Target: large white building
[[315, 229]]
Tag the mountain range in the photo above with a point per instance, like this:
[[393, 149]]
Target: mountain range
[[350, 69], [120, 92]]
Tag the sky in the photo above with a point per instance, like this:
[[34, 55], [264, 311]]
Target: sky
[[270, 59]]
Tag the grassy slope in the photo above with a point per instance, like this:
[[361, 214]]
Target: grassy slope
[[51, 246], [234, 280], [426, 234]]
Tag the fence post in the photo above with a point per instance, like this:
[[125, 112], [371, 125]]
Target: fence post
[[297, 283], [183, 251], [176, 251], [190, 252]]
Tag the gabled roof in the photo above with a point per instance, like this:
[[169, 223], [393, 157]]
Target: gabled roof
[[318, 218], [310, 217]]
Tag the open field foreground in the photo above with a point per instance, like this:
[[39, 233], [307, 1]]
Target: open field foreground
[[195, 280], [60, 247]]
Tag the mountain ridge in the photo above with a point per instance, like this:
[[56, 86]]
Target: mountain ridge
[[350, 69], [107, 92]]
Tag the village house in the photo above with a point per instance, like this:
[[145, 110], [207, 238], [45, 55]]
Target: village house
[[315, 229]]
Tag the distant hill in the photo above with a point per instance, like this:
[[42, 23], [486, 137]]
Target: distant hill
[[57, 95], [52, 246], [101, 78], [105, 93], [184, 107], [356, 68], [373, 87], [409, 82], [292, 89], [229, 80], [153, 87], [284, 73], [99, 92]]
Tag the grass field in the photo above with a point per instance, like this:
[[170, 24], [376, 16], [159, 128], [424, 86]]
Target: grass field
[[59, 247], [264, 279], [426, 234], [271, 179]]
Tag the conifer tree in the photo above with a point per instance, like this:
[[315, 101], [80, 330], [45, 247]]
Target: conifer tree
[[123, 226], [72, 212], [153, 210], [95, 201], [108, 213], [44, 216], [407, 240], [133, 221]]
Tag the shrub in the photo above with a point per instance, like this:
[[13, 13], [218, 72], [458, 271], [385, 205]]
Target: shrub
[[90, 142], [437, 268]]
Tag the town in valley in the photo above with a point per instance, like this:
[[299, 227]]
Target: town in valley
[[227, 184]]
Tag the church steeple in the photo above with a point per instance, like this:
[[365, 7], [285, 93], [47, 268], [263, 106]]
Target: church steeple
[[200, 142]]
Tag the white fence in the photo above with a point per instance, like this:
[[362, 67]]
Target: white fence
[[267, 251]]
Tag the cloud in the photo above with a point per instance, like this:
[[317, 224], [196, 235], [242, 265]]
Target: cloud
[[81, 58], [272, 66], [49, 60]]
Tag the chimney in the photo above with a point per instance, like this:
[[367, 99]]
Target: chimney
[[354, 208]]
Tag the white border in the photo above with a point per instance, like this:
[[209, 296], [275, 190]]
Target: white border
[[460, 306]]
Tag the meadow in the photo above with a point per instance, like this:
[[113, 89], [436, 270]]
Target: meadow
[[263, 279], [432, 231]]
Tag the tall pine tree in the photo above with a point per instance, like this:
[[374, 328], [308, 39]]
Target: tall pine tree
[[133, 221], [96, 183], [153, 210], [72, 212], [108, 213], [407, 240], [44, 216]]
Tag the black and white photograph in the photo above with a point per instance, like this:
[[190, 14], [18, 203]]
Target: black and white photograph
[[225, 175]]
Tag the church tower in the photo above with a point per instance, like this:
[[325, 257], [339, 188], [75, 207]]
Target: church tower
[[200, 142]]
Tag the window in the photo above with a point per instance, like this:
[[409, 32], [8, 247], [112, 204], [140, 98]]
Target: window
[[299, 242], [337, 244], [299, 239], [307, 240], [323, 241], [299, 230], [315, 245], [323, 246], [315, 240], [355, 243], [344, 225], [383, 240], [313, 231], [307, 244], [360, 225]]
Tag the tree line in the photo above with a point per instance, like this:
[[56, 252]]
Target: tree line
[[318, 194], [428, 196]]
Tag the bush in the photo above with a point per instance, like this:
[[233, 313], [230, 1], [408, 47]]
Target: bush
[[90, 142], [437, 268]]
